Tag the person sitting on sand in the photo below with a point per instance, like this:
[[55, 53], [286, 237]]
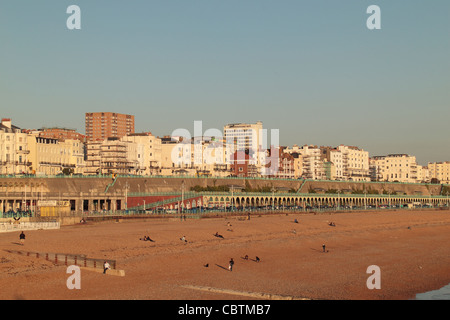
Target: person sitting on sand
[[183, 238], [218, 235], [257, 259], [146, 238]]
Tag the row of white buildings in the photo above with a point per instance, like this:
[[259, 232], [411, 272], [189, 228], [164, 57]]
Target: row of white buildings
[[27, 152], [243, 150]]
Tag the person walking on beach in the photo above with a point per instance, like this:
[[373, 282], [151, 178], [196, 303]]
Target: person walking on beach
[[230, 267], [323, 247], [106, 266], [22, 238]]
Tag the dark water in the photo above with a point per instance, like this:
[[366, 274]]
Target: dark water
[[440, 294]]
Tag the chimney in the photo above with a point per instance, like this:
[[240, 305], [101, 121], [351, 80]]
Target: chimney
[[6, 122]]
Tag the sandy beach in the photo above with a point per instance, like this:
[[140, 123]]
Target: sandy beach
[[411, 249]]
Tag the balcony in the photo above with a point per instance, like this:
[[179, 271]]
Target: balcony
[[15, 163]]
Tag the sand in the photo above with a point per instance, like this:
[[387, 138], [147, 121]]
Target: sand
[[411, 248]]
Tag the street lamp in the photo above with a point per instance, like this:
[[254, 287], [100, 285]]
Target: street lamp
[[339, 199], [232, 199], [448, 206], [389, 193], [365, 200], [126, 195], [182, 196], [273, 200]]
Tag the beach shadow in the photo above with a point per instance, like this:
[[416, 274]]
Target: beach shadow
[[317, 250], [18, 243], [222, 267]]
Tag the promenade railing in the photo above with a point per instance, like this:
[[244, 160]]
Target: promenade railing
[[211, 177]]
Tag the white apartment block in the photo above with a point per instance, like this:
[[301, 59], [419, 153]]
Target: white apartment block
[[198, 156], [423, 175], [245, 136], [111, 156], [209, 156], [355, 163], [145, 150], [49, 156], [396, 168], [14, 150], [337, 159], [312, 163], [133, 154], [439, 171]]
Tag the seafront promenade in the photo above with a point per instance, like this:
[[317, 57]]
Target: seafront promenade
[[123, 195]]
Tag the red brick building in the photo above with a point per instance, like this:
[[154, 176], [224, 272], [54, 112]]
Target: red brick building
[[240, 166], [103, 125], [61, 134]]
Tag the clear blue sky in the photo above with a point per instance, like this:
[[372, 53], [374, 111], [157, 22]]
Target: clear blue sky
[[309, 68]]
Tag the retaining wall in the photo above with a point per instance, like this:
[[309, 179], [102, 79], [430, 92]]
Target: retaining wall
[[11, 227]]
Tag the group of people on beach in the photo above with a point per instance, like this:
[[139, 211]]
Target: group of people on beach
[[231, 262], [257, 259]]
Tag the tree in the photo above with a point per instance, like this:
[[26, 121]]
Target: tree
[[67, 171]]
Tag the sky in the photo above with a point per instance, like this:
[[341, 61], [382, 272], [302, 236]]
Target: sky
[[309, 68]]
